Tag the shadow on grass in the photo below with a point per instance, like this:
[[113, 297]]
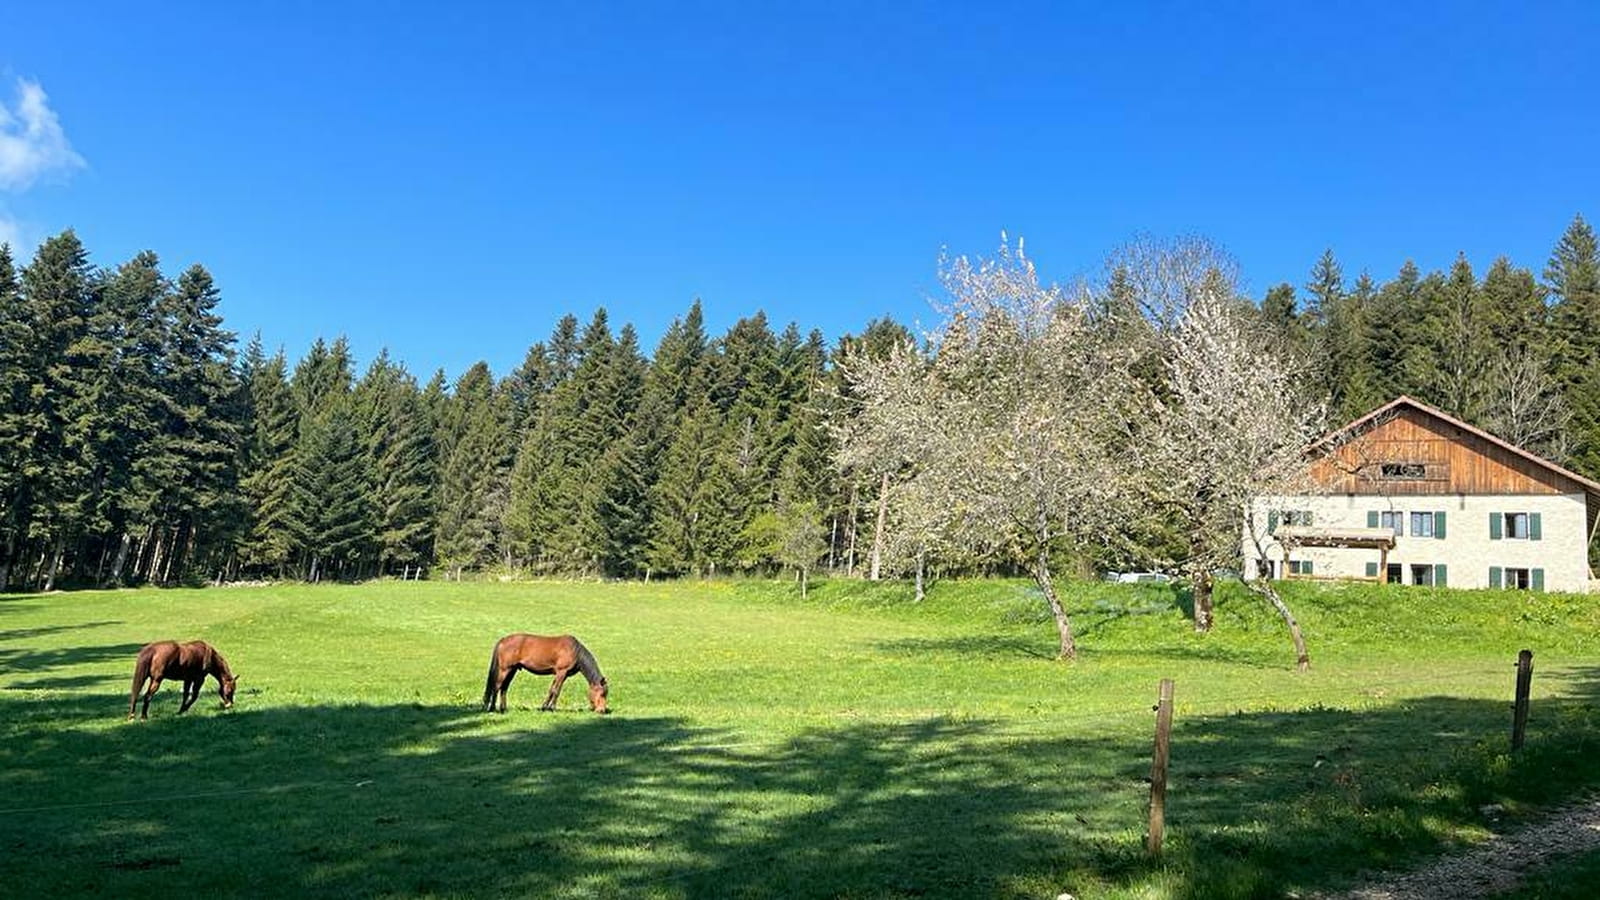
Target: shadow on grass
[[973, 645], [44, 660], [22, 634], [414, 799], [68, 682]]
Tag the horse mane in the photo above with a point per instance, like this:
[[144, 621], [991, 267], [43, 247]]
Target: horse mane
[[219, 664], [587, 665]]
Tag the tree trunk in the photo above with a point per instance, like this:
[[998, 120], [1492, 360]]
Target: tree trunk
[[122, 558], [10, 552], [877, 531], [1265, 589], [1041, 575], [833, 546], [55, 564], [1202, 602], [922, 556], [850, 550], [157, 554], [802, 582]]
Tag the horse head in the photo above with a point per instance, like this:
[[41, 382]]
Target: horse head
[[597, 697], [225, 688]]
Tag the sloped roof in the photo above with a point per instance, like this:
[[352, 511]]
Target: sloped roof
[[1589, 485]]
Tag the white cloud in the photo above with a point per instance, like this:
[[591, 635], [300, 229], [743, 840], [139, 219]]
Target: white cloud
[[32, 144]]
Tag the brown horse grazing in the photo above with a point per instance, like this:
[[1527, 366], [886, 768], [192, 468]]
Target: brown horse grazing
[[191, 662], [543, 655]]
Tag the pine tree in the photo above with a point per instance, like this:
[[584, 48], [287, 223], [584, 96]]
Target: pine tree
[[676, 377], [1334, 324], [1392, 327], [1361, 378], [1281, 317], [615, 511], [1460, 349], [1573, 276], [680, 500], [398, 439], [123, 389], [472, 490], [57, 288], [201, 424], [273, 480], [343, 519], [16, 337]]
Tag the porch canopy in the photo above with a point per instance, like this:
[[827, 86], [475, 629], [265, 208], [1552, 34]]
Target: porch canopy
[[1379, 539]]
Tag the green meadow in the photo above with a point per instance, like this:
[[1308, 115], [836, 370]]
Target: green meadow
[[856, 744]]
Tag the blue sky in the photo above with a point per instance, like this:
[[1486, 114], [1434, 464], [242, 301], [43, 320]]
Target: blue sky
[[446, 180]]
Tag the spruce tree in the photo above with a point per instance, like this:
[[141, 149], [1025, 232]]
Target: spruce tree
[[398, 440], [472, 488], [1573, 276], [57, 288], [1333, 322], [273, 481], [16, 337], [1361, 392], [340, 533], [202, 424]]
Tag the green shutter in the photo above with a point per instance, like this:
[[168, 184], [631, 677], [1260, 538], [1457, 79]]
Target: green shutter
[[1439, 579], [1494, 576], [1535, 532], [1272, 522], [1496, 522], [1305, 567], [1438, 525], [1536, 578], [1372, 570], [1372, 518]]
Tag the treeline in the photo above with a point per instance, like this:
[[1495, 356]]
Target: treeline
[[1509, 352], [141, 447], [138, 444]]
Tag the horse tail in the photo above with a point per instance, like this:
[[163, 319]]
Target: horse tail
[[141, 672], [489, 685]]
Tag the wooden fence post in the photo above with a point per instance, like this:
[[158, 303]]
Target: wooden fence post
[[1519, 709], [1158, 768]]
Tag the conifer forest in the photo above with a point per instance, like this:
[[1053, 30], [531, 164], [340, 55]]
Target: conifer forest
[[142, 443]]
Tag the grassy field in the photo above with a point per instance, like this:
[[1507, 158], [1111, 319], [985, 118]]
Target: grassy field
[[854, 745]]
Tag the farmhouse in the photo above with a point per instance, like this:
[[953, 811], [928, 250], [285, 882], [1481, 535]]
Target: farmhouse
[[1409, 495]]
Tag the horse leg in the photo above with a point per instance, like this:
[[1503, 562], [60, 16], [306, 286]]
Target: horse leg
[[505, 685], [555, 689], [191, 693], [155, 685], [133, 698]]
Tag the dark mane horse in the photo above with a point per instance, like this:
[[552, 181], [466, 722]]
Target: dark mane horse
[[542, 655], [191, 662]]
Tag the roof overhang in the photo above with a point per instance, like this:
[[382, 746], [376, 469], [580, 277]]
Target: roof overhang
[[1311, 536]]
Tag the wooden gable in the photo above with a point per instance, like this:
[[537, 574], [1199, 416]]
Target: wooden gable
[[1409, 449]]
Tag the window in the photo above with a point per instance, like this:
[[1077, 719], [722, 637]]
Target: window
[[1422, 525], [1300, 567], [1295, 516], [1517, 526], [1518, 579], [1404, 471], [1395, 573], [1422, 574], [1394, 521]]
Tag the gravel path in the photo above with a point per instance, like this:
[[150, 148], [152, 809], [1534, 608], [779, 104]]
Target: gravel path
[[1495, 866]]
